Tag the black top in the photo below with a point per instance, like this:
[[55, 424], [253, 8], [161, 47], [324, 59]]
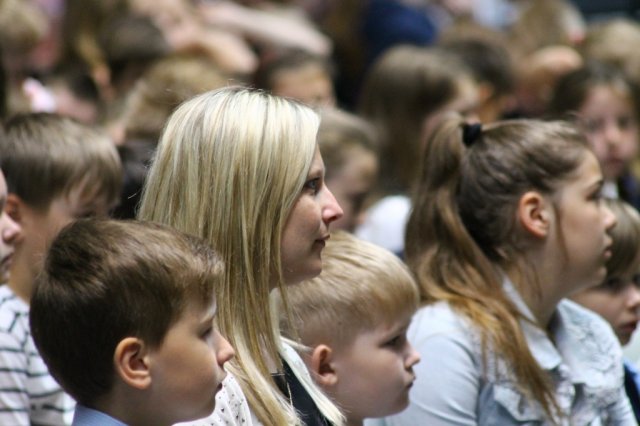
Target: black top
[[292, 389], [632, 392]]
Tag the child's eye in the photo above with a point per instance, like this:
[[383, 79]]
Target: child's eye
[[591, 125], [615, 284], [636, 280], [597, 196], [626, 122], [396, 341]]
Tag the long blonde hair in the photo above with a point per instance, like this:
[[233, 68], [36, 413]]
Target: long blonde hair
[[229, 167]]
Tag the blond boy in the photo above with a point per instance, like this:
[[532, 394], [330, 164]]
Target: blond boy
[[353, 320], [56, 171]]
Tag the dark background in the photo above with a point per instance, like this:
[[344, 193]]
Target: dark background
[[595, 10]]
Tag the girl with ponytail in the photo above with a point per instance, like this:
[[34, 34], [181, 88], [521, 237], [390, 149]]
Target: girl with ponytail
[[507, 221]]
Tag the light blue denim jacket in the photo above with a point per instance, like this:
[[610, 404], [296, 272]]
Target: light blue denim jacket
[[453, 387]]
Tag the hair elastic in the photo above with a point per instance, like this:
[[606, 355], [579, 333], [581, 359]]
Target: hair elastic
[[471, 133]]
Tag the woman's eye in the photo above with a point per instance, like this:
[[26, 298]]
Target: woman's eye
[[313, 185], [207, 333]]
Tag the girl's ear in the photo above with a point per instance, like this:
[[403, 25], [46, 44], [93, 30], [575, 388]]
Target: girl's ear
[[534, 213], [131, 363], [321, 366]]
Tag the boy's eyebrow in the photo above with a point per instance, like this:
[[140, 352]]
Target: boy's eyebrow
[[209, 315], [403, 327]]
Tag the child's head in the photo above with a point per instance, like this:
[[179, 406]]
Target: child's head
[[354, 318], [490, 62], [617, 298], [10, 233], [614, 41], [504, 199], [125, 310], [606, 105], [299, 75], [57, 170], [348, 147], [406, 92], [483, 176], [166, 84]]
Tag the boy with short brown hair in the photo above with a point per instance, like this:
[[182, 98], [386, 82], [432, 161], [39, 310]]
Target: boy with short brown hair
[[57, 170], [123, 317]]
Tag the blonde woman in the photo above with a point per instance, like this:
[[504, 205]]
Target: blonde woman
[[241, 169]]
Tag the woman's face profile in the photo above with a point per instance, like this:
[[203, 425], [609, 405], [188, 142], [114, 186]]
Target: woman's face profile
[[307, 227]]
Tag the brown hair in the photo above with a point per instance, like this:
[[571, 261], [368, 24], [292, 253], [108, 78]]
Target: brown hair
[[625, 236], [104, 280], [339, 133], [405, 86], [44, 156], [572, 90], [463, 226], [163, 87]]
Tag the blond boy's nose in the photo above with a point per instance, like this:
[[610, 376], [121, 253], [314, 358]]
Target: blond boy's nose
[[413, 357]]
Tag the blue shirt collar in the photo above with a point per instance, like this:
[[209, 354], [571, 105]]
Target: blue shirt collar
[[85, 416]]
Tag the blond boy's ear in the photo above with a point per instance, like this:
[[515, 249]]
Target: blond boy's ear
[[321, 366], [131, 363]]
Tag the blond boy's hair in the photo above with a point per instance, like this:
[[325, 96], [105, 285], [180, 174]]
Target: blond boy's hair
[[361, 287], [44, 156]]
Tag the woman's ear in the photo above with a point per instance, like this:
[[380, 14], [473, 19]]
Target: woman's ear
[[535, 214], [131, 362], [321, 366]]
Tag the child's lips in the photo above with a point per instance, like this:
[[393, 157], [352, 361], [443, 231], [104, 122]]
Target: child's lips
[[410, 384], [630, 327]]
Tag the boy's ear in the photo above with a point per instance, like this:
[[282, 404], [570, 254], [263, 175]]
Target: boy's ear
[[322, 366], [131, 363], [13, 207], [534, 213]]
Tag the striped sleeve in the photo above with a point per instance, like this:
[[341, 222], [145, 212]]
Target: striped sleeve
[[28, 393]]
